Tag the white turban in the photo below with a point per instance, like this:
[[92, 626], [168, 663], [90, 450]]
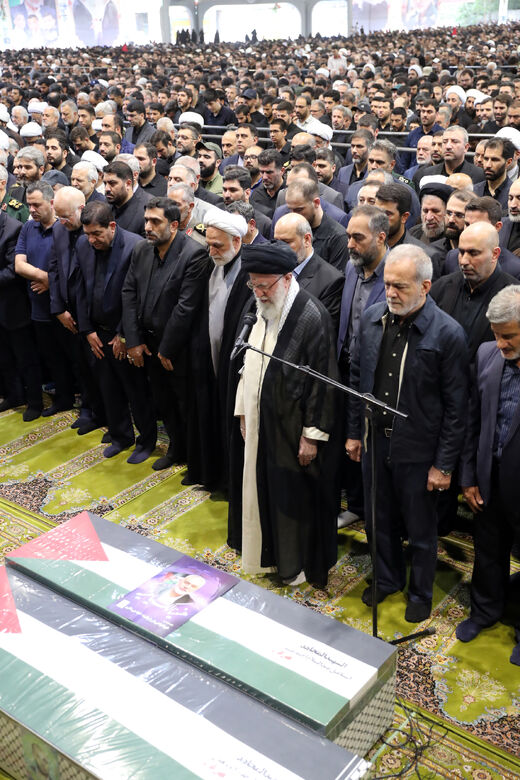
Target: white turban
[[192, 118], [321, 130], [234, 224], [512, 134], [459, 92]]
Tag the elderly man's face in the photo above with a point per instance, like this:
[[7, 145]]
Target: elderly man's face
[[220, 246], [433, 215], [79, 179], [453, 146], [404, 293], [507, 335]]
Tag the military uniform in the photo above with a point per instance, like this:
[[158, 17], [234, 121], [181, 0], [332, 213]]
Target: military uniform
[[15, 208]]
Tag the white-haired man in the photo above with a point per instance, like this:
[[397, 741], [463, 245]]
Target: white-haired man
[[288, 517], [225, 296], [412, 356], [489, 473]]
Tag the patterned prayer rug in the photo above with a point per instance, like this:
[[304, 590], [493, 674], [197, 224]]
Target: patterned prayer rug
[[461, 702]]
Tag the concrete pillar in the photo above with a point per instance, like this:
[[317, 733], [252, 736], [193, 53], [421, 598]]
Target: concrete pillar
[[165, 22]]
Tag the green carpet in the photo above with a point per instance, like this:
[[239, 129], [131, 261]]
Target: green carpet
[[470, 693]]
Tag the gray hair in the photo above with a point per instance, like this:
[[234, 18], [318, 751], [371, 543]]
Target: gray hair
[[241, 207], [423, 264], [505, 306], [344, 110], [13, 147], [21, 110], [192, 176], [3, 173], [32, 154], [185, 189], [458, 129], [70, 104], [54, 111], [130, 160], [41, 186], [104, 108], [90, 168], [166, 124], [377, 219], [189, 162], [388, 147]]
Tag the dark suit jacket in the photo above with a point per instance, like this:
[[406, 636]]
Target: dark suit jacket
[[477, 458], [325, 282], [329, 194], [505, 233], [209, 197], [345, 173], [445, 293], [475, 173], [118, 264], [178, 303], [415, 210], [131, 215], [507, 261], [14, 304], [479, 188], [331, 211], [232, 160], [263, 224], [377, 294], [434, 387], [63, 272], [97, 196]]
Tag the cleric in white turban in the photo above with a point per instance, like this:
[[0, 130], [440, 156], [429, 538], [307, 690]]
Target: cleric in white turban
[[233, 224]]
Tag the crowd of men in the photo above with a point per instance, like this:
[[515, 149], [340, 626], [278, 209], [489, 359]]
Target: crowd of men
[[357, 204]]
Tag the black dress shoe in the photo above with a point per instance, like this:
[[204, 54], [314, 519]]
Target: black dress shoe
[[163, 463], [417, 611], [9, 403], [31, 414], [366, 597], [54, 409]]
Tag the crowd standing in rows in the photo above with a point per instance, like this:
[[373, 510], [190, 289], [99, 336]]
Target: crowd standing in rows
[[361, 198]]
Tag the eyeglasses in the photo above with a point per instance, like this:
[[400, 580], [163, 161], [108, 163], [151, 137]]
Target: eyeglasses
[[262, 286], [250, 157]]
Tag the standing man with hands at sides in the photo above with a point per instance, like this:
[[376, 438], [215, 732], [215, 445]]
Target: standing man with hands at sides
[[489, 472], [162, 294], [413, 356]]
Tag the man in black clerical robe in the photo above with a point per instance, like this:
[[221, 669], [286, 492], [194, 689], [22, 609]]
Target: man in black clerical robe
[[213, 380], [287, 419]]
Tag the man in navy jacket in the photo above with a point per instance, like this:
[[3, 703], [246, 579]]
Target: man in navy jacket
[[413, 356]]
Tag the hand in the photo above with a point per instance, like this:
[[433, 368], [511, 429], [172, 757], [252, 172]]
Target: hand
[[67, 321], [96, 345], [353, 449], [307, 451], [118, 347], [437, 480], [516, 252], [136, 355], [473, 497], [39, 287], [243, 426], [165, 363]]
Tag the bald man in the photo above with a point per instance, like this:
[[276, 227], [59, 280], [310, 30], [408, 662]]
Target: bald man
[[312, 273], [466, 293], [64, 280], [460, 181]]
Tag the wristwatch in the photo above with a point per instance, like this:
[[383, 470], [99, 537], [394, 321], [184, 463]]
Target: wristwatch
[[445, 473]]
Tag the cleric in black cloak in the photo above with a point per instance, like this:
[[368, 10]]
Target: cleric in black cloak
[[289, 514], [214, 378]]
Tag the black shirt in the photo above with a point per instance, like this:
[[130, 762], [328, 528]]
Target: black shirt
[[388, 369], [470, 303], [99, 317], [261, 200], [330, 242], [158, 277], [157, 187]]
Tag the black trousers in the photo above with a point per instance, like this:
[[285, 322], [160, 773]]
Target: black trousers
[[405, 509], [495, 530], [20, 366], [124, 389], [57, 352], [170, 396]]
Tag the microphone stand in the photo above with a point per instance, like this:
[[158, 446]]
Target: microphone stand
[[371, 405]]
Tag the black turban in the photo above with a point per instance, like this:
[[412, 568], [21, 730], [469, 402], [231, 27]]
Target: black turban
[[442, 191], [273, 257]]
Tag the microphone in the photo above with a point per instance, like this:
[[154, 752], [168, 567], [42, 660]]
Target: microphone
[[249, 321]]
